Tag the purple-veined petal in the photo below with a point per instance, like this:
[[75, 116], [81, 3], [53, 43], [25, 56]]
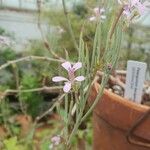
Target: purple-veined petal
[[67, 87], [77, 66], [141, 8], [127, 11], [102, 10], [96, 11], [66, 65], [59, 78], [134, 2], [80, 78]]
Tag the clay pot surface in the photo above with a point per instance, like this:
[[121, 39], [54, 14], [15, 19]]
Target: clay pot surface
[[25, 122], [113, 116]]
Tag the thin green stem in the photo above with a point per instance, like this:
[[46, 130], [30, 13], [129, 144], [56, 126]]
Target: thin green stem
[[80, 118], [100, 93], [70, 110], [66, 115], [75, 128], [77, 105], [82, 105]]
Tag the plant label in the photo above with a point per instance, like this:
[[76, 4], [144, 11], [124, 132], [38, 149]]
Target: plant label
[[135, 80]]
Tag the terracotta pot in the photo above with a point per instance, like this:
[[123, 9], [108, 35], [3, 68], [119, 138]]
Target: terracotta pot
[[25, 122], [3, 133], [113, 118]]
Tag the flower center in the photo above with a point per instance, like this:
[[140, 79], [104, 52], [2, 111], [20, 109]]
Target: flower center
[[71, 74]]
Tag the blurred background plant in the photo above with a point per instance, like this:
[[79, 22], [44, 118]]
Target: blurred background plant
[[136, 46]]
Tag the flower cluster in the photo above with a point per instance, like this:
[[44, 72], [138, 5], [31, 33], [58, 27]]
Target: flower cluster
[[130, 5], [71, 74], [55, 141], [98, 14]]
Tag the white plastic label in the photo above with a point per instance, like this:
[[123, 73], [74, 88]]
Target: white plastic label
[[135, 80]]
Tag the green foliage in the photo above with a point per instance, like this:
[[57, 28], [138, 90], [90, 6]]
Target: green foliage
[[37, 48], [84, 134], [32, 100], [6, 80], [2, 31], [12, 144], [7, 118], [63, 115], [5, 112], [7, 54], [80, 9], [45, 145]]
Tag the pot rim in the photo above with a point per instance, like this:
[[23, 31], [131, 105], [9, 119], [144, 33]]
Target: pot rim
[[121, 113]]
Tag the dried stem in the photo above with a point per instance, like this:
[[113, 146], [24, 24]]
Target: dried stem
[[55, 89], [115, 23], [58, 101], [16, 75], [45, 41], [29, 58], [112, 79], [69, 25]]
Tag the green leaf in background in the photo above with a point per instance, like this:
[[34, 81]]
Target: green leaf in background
[[32, 100], [11, 143], [45, 145]]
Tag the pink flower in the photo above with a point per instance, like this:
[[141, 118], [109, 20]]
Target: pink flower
[[71, 74], [98, 14], [130, 5], [141, 7], [98, 11], [56, 140]]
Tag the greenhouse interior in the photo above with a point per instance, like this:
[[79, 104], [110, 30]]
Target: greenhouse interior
[[74, 74]]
